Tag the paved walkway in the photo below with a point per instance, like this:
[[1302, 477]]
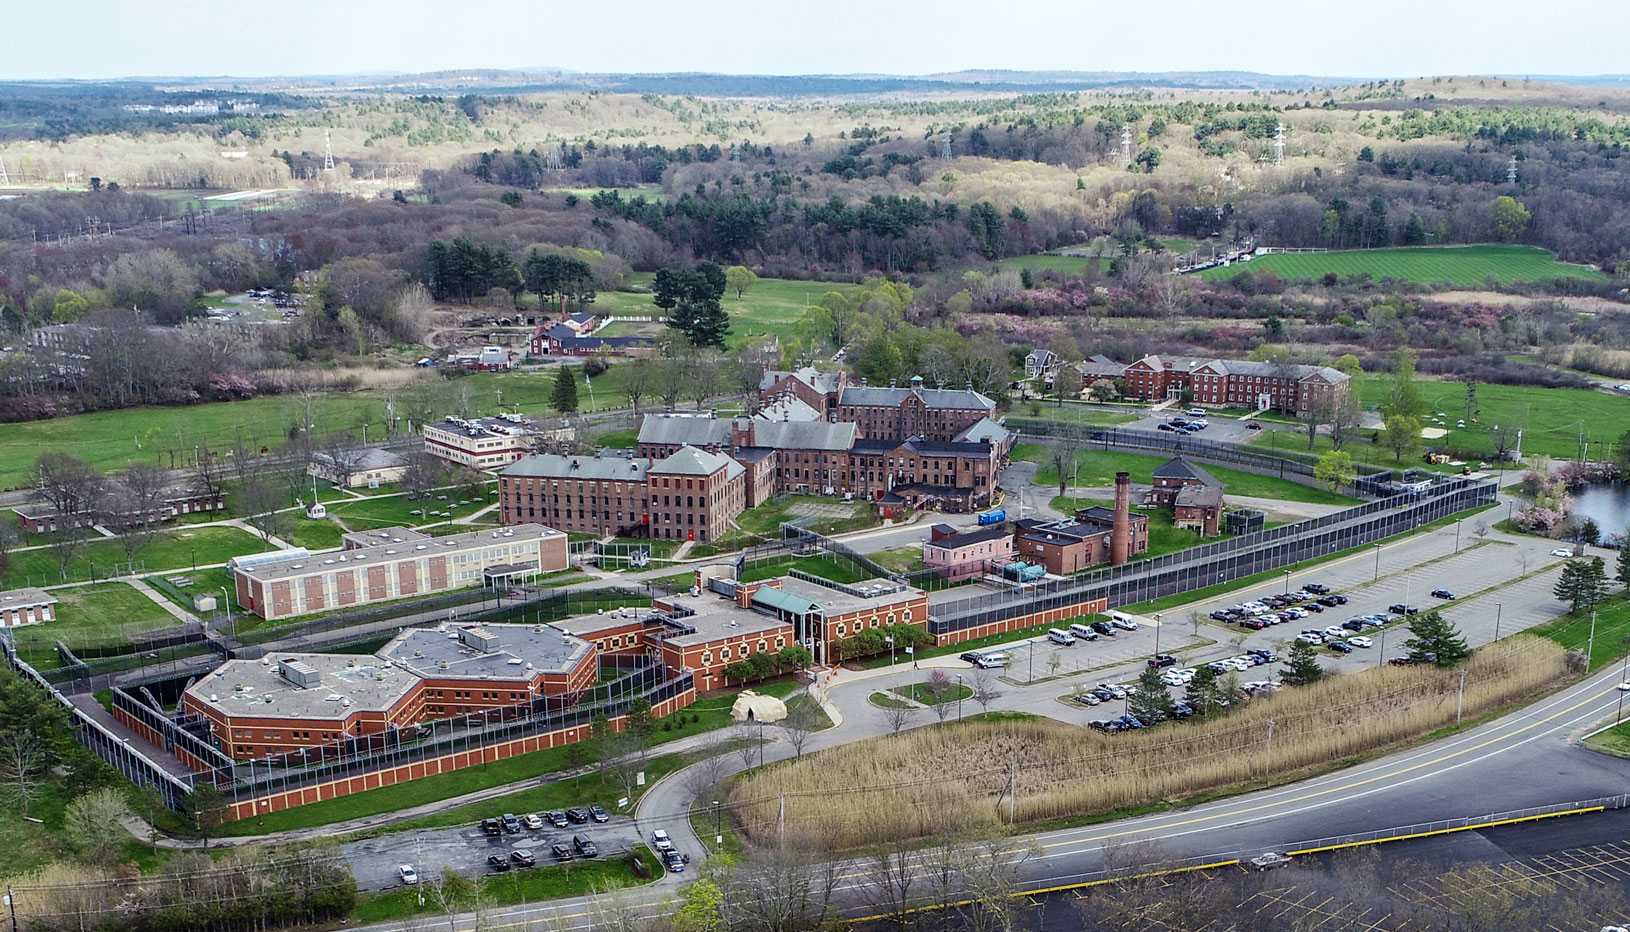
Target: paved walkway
[[140, 585]]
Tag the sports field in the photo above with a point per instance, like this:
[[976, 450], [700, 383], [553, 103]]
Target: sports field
[[1553, 420], [772, 305], [1458, 265]]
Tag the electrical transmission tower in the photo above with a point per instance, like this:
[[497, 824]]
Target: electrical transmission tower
[[328, 152], [5, 179], [554, 156], [1510, 171], [945, 150], [1126, 145], [1279, 146]]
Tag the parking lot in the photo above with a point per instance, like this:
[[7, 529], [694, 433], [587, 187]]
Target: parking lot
[[465, 849], [1220, 427], [1499, 580]]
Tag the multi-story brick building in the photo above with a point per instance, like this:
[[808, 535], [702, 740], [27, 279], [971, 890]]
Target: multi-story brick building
[[956, 476], [901, 413], [663, 434], [290, 702], [394, 563], [818, 390], [600, 495], [1294, 389], [695, 495], [1194, 496], [1095, 536], [481, 443], [809, 457]]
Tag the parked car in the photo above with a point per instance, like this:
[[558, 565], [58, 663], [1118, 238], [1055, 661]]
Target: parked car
[[492, 827], [1266, 653], [1312, 607], [676, 862], [585, 846], [556, 818], [1164, 426], [1162, 660], [512, 825], [1269, 861], [1196, 412], [561, 852], [1255, 624], [1314, 638], [1103, 693], [531, 821], [498, 862], [1402, 661], [1252, 425], [1402, 608], [407, 874], [1317, 588], [1103, 627], [1444, 594], [1562, 552], [661, 841], [1339, 647], [523, 857], [598, 813], [1361, 642]]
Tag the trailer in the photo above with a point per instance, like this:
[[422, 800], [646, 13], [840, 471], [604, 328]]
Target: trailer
[[993, 517]]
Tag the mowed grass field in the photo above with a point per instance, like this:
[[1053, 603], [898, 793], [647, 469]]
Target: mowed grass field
[[1551, 418], [1458, 265], [1097, 468], [772, 305]]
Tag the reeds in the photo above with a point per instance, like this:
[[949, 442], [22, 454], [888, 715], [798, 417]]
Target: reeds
[[937, 780]]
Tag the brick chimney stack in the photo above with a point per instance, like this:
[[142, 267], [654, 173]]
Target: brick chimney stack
[[1120, 533]]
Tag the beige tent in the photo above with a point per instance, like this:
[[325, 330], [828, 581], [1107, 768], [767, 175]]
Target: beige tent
[[751, 707]]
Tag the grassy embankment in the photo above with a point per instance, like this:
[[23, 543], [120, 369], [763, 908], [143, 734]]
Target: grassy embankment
[[1097, 468], [892, 788]]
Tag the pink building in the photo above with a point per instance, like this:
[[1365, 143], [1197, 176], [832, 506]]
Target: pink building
[[972, 553]]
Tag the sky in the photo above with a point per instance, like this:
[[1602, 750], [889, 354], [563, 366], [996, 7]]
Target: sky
[[1371, 38]]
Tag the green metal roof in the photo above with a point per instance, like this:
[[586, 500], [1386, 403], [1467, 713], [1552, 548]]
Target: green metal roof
[[786, 602]]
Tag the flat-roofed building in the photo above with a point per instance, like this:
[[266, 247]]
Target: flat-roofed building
[[287, 702], [967, 554], [396, 563], [26, 607], [481, 443]]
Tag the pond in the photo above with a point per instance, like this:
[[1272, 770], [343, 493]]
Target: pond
[[1608, 504]]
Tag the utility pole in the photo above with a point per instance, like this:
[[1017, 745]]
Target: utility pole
[[1460, 695], [1126, 145], [11, 905], [1499, 608], [1511, 171], [781, 822], [1268, 755], [1012, 794], [1590, 646]]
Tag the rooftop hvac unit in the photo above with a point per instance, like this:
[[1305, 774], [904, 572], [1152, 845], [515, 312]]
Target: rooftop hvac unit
[[299, 673]]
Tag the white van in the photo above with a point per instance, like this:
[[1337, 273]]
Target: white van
[[1060, 636], [1084, 632], [991, 661], [1123, 621]]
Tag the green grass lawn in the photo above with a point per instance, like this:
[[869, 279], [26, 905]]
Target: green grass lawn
[[765, 520], [1097, 468], [923, 694], [1551, 418], [203, 582], [1459, 265], [373, 513], [1615, 740], [321, 534], [172, 549], [1068, 265], [1084, 414], [547, 881], [772, 305], [840, 571], [618, 439], [901, 560], [104, 614], [1573, 631]]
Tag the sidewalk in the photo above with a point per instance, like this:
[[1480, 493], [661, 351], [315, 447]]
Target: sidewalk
[[140, 585]]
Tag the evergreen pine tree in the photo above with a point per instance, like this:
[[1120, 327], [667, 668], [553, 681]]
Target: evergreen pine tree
[[1301, 666], [1622, 573], [565, 396], [1435, 635], [1149, 702], [1203, 693]]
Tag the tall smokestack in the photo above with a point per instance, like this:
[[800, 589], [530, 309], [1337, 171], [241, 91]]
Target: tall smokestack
[[1120, 533]]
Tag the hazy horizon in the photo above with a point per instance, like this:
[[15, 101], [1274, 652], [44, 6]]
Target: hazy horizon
[[1386, 39]]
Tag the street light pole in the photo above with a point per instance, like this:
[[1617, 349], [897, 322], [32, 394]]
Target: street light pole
[[1499, 609], [1157, 632], [718, 834], [959, 697], [1287, 582], [1377, 563], [1457, 535]]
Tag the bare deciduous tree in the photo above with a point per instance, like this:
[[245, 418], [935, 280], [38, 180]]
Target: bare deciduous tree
[[899, 717], [131, 507], [800, 724], [984, 690], [23, 762]]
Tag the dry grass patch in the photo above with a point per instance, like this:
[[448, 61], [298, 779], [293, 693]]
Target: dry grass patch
[[934, 781]]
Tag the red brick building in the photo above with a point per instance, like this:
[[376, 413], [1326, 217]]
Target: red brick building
[[1194, 496], [967, 554], [26, 607], [1293, 389], [901, 413], [694, 495], [395, 563]]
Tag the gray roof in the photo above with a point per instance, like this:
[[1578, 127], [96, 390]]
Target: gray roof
[[403, 545], [690, 461], [1200, 496], [823, 382], [348, 684], [950, 398], [921, 447], [1274, 370], [26, 598], [684, 428], [555, 466], [522, 652], [804, 435], [968, 538], [1179, 468], [372, 458], [789, 408], [985, 431]]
